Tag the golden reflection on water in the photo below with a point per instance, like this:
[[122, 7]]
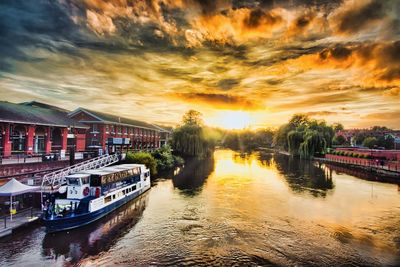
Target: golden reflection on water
[[355, 210]]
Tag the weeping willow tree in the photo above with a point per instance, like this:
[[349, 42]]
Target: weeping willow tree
[[305, 137], [191, 139], [314, 143], [294, 139]]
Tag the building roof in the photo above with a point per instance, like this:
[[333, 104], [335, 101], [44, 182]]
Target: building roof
[[163, 128], [36, 113], [109, 118]]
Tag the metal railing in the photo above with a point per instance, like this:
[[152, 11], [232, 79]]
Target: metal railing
[[52, 181]]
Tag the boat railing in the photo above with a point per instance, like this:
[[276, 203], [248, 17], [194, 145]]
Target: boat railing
[[52, 181]]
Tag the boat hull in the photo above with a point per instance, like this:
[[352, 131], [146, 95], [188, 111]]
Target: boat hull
[[79, 220]]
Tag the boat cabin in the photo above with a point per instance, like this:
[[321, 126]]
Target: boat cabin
[[78, 185]]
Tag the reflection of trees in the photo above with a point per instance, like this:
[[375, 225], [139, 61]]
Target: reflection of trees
[[303, 175], [265, 158], [95, 237], [192, 177]]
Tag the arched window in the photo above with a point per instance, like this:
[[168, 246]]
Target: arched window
[[39, 139], [18, 139]]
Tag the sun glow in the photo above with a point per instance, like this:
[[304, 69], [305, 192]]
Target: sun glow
[[230, 120]]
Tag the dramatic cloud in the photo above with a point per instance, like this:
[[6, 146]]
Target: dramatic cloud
[[223, 101], [154, 59]]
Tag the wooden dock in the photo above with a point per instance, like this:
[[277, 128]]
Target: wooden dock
[[19, 220]]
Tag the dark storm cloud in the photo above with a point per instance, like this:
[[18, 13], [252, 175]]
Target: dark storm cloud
[[353, 20], [258, 17], [356, 16], [42, 24], [227, 84], [384, 58], [285, 53]]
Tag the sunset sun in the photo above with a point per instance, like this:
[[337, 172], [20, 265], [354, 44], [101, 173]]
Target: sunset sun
[[232, 120]]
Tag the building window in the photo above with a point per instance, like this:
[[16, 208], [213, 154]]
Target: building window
[[18, 139], [112, 127], [95, 128], [125, 130], [94, 142], [119, 129]]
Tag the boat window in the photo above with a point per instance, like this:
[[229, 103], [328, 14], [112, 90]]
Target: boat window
[[134, 188], [73, 181], [107, 199], [113, 196], [85, 180]]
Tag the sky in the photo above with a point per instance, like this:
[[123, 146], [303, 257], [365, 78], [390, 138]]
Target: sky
[[241, 63]]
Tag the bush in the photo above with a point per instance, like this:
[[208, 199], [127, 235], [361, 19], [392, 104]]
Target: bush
[[165, 159], [143, 158]]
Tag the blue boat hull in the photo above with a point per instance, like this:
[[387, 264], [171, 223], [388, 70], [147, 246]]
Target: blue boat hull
[[62, 224]]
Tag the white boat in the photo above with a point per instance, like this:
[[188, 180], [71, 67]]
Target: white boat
[[93, 194]]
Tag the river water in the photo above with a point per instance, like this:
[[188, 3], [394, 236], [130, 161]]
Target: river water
[[234, 209]]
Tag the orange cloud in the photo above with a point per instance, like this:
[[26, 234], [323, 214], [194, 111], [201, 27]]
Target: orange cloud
[[221, 101], [379, 62]]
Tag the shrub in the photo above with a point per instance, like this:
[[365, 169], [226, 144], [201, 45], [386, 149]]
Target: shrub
[[143, 158]]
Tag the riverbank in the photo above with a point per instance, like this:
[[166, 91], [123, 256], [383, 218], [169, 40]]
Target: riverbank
[[383, 175], [378, 172]]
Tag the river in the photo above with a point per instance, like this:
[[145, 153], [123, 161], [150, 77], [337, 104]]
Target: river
[[233, 209]]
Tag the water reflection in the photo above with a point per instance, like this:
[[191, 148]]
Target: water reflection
[[235, 210], [304, 176], [191, 178], [94, 238]]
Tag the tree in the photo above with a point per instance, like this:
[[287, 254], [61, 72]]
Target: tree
[[192, 117], [339, 140], [370, 142], [299, 120], [280, 137], [385, 141], [337, 127], [191, 139], [295, 138], [305, 137], [380, 129]]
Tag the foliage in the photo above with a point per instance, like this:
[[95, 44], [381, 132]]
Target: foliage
[[143, 158], [165, 159], [191, 138], [248, 140], [295, 139], [192, 117], [339, 140], [380, 129], [337, 127], [304, 137], [370, 142]]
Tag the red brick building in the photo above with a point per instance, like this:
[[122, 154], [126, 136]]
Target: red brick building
[[35, 128], [110, 133]]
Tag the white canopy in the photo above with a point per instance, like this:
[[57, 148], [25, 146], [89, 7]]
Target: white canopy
[[14, 188]]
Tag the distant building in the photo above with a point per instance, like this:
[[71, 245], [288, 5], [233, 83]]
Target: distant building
[[36, 128], [350, 135], [110, 133], [165, 135]]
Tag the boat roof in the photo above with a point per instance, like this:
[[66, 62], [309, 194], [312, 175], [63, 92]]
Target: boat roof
[[77, 175], [106, 170]]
